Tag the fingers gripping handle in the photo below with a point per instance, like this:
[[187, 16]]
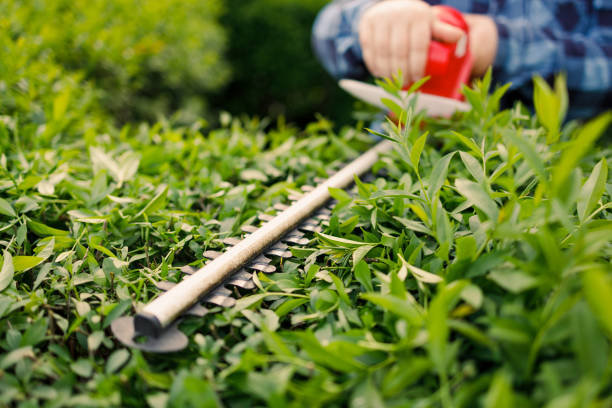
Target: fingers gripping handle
[[448, 65]]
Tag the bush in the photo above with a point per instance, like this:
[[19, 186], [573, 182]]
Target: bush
[[141, 58], [274, 69], [471, 270]]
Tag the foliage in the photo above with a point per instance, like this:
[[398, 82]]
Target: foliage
[[139, 59], [472, 269], [87, 226], [274, 71]]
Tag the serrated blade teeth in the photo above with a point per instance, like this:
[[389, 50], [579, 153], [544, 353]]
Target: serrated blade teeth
[[279, 249], [222, 301], [323, 212], [249, 228], [265, 217], [220, 297], [197, 310], [279, 253], [242, 279], [188, 269], [262, 264], [280, 206], [309, 227], [262, 268], [231, 241], [296, 241], [164, 285], [295, 237], [212, 254], [262, 260], [324, 219]]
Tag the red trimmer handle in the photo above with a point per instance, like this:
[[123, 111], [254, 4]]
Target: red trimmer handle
[[448, 65]]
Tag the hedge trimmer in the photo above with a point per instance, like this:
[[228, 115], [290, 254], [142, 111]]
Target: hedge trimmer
[[156, 323], [155, 327]]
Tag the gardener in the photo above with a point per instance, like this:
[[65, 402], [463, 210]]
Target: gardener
[[519, 39]]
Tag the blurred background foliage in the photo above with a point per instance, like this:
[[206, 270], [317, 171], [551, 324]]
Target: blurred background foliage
[[274, 69], [140, 60]]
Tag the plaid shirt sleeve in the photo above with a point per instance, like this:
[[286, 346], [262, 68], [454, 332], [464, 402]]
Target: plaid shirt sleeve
[[577, 41], [335, 38], [535, 37]]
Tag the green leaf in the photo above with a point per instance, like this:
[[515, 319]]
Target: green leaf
[[116, 360], [361, 252], [43, 230], [420, 274], [575, 150], [392, 194], [414, 225], [253, 174], [117, 311], [337, 355], [466, 247], [500, 393], [472, 332], [6, 208], [60, 104], [598, 292], [403, 374], [24, 263], [478, 197], [379, 134], [474, 167], [404, 308], [310, 274], [289, 306], [438, 175], [14, 356], [472, 294], [592, 190], [7, 271], [157, 203], [416, 150], [513, 281], [437, 323], [94, 340], [340, 289], [550, 106], [417, 84], [529, 153], [469, 143], [388, 86], [366, 395], [364, 276], [341, 242], [82, 367], [393, 106], [339, 194]]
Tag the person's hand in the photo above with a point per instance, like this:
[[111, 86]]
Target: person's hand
[[483, 42], [395, 35]]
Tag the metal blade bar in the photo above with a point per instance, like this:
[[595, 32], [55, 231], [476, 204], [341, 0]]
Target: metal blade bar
[[164, 310]]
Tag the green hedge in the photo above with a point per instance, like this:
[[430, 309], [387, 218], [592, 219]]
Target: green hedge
[[138, 59]]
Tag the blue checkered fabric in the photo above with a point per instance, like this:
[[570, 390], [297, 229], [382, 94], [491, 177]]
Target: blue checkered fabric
[[535, 37]]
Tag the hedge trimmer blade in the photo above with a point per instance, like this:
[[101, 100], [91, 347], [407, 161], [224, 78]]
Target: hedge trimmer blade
[[433, 104], [154, 328]]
